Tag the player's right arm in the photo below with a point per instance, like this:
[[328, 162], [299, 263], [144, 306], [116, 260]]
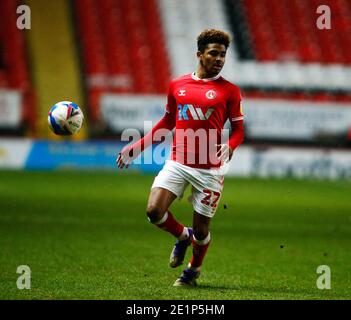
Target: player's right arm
[[130, 152]]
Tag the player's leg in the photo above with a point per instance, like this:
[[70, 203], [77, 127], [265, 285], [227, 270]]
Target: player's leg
[[201, 240], [207, 189], [159, 214], [159, 201], [169, 184], [200, 243]]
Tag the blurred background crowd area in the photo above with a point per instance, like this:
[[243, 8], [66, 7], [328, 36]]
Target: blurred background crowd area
[[99, 52]]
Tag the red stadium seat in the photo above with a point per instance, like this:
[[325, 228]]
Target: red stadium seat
[[278, 34], [123, 48]]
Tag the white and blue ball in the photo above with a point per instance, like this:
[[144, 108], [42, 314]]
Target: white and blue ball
[[65, 118]]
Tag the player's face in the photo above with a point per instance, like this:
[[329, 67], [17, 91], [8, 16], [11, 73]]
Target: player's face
[[212, 59]]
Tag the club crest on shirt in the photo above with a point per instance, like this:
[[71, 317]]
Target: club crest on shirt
[[181, 93], [211, 94]]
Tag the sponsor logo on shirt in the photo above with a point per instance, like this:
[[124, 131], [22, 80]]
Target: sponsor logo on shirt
[[195, 113]]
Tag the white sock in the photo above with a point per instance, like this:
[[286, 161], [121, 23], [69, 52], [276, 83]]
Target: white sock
[[184, 235], [193, 269], [204, 241]]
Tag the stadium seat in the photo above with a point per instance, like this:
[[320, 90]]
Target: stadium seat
[[300, 39], [123, 48]]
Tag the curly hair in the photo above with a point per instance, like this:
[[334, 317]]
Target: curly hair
[[212, 36]]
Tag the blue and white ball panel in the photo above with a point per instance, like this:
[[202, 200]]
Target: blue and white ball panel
[[57, 118], [54, 126], [74, 106]]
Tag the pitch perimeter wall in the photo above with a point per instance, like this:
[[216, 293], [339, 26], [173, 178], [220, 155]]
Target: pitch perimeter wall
[[248, 161]]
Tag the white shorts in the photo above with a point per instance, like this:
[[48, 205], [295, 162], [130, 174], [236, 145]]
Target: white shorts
[[207, 185]]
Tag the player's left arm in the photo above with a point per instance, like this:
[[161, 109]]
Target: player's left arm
[[236, 119], [237, 136]]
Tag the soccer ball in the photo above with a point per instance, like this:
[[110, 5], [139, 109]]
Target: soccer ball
[[65, 118]]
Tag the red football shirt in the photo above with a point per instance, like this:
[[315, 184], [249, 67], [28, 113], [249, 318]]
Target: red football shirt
[[201, 107]]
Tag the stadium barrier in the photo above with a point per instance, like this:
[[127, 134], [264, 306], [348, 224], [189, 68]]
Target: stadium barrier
[[247, 161], [280, 120]]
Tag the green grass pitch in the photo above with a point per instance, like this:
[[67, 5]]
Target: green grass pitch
[[85, 235]]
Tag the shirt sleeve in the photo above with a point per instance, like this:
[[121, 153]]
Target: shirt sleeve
[[235, 107], [236, 117]]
